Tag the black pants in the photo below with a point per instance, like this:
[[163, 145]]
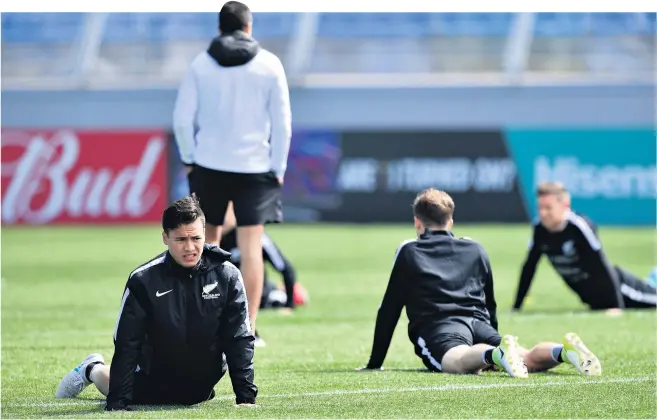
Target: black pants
[[636, 292], [434, 342], [157, 390]]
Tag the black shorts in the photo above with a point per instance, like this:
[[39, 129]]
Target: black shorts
[[433, 343], [256, 197]]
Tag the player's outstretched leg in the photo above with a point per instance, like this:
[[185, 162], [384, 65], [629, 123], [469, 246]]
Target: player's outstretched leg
[[546, 355], [576, 353], [78, 379]]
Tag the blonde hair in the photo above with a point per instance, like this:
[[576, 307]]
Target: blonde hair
[[552, 188]]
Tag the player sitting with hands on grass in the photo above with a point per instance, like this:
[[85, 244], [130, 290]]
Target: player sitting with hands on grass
[[446, 285], [183, 322], [572, 246]]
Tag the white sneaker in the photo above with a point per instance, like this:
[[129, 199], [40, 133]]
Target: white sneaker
[[76, 381], [510, 358], [259, 342]]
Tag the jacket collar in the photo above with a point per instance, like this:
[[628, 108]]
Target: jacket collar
[[429, 233], [211, 256], [177, 269]]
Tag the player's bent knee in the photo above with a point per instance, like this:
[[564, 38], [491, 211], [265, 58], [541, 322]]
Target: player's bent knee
[[452, 361]]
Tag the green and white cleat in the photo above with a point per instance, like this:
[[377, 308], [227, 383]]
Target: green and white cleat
[[576, 352], [507, 356]]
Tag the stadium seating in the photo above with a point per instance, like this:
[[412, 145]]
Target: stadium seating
[[163, 43], [46, 28]]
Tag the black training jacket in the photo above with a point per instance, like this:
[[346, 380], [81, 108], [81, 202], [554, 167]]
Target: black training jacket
[[435, 276], [176, 325]]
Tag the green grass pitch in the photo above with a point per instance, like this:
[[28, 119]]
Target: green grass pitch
[[61, 290]]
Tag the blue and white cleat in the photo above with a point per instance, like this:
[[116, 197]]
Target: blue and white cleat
[[76, 381]]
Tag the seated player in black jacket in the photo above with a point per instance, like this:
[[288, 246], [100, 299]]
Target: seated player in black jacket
[[446, 285], [183, 321]]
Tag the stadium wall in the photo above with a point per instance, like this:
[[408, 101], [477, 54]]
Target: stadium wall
[[358, 155]]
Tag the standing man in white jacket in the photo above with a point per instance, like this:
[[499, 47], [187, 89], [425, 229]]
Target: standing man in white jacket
[[232, 123]]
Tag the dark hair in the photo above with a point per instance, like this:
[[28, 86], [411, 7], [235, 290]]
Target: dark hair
[[182, 212], [234, 16], [433, 207]]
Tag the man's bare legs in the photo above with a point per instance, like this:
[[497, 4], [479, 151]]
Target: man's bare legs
[[465, 359], [249, 243], [229, 219], [212, 234], [252, 266], [100, 376], [542, 356], [471, 359], [545, 356], [518, 361]]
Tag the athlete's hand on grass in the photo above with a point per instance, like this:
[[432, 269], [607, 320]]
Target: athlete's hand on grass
[[368, 369], [118, 408], [614, 312]]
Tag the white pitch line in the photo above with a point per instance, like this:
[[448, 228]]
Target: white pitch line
[[518, 384]]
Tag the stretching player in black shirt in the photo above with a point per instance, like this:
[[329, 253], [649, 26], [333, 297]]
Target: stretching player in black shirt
[[272, 296], [446, 285], [573, 248]]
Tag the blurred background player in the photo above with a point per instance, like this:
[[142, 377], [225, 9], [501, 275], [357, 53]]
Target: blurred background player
[[272, 296], [446, 285], [572, 246], [232, 123], [294, 294]]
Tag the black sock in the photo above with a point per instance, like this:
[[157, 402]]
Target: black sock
[[488, 357], [90, 366]]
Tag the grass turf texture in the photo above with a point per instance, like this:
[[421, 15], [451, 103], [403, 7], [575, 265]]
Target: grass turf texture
[[62, 286]]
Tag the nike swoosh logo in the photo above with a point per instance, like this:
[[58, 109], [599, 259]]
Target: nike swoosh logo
[[158, 294]]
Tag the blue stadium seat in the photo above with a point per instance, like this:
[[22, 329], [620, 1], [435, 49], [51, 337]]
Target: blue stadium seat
[[411, 25], [596, 24], [50, 28], [475, 24], [41, 28], [164, 27]]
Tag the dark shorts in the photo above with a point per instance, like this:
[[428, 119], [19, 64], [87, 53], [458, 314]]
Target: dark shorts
[[433, 343], [256, 197]]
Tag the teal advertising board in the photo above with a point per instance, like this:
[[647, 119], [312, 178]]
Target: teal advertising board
[[609, 172]]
